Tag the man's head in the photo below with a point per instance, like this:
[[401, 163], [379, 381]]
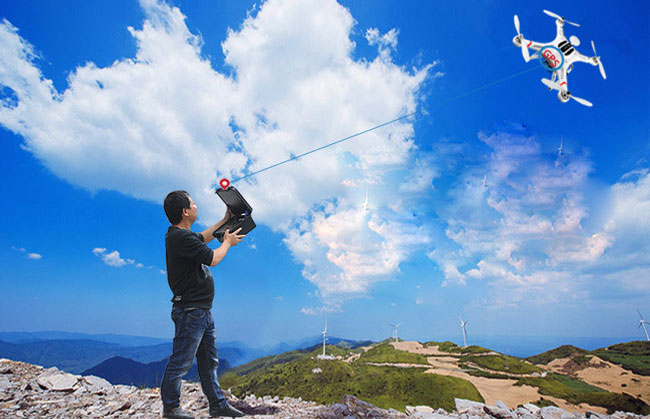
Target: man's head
[[179, 206]]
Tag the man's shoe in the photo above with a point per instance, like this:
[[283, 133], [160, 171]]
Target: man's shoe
[[176, 413], [227, 411]]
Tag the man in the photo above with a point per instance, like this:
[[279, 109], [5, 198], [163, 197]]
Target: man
[[193, 287]]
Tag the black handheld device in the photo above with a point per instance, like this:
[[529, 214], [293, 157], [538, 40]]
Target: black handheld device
[[241, 211]]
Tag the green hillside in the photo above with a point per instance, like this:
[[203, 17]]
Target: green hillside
[[502, 363], [292, 374], [565, 351], [452, 348], [385, 353], [386, 387], [633, 356], [576, 392]]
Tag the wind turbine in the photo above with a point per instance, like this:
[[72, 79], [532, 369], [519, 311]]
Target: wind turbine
[[462, 325], [365, 204], [642, 323], [324, 337], [395, 326]]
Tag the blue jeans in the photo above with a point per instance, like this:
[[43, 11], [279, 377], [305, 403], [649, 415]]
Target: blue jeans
[[194, 336]]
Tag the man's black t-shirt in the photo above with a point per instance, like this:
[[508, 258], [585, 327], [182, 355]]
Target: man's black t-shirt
[[188, 277]]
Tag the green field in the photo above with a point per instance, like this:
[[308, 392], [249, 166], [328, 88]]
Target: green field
[[502, 363], [385, 353], [564, 351], [633, 356], [385, 387]]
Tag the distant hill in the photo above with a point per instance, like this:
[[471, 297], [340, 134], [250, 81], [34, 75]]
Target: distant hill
[[76, 356], [124, 340], [633, 356], [564, 351], [119, 370]]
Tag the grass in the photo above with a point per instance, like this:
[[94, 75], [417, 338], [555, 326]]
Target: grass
[[503, 363], [565, 351], [575, 391], [633, 356], [385, 387], [385, 353]]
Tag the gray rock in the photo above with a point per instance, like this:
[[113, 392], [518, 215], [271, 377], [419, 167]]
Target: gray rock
[[463, 405], [418, 409], [340, 410], [531, 408], [57, 381], [4, 383], [552, 412], [501, 405], [595, 415], [97, 385], [499, 412]]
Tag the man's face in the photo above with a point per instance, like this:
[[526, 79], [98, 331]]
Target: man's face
[[191, 212]]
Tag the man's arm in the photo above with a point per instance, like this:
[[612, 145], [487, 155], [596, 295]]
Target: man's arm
[[207, 234], [229, 240]]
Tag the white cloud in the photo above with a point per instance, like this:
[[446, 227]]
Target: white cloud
[[523, 233], [137, 125], [30, 255], [630, 203], [114, 259], [308, 311]]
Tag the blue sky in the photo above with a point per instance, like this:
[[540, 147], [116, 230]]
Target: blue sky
[[106, 109]]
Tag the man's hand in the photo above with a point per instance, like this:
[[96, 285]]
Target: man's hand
[[228, 215], [229, 240], [233, 238]]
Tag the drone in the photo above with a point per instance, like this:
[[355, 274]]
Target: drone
[[558, 57]]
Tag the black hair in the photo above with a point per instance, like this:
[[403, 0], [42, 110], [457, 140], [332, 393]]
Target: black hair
[[175, 202]]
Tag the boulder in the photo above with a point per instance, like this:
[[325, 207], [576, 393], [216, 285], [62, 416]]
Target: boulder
[[410, 410], [534, 409], [463, 405], [363, 409], [57, 381], [552, 412], [499, 412], [97, 385]]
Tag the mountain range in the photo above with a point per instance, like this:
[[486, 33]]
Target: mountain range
[[122, 359]]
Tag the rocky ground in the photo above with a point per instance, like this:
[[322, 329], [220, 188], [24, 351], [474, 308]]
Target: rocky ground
[[31, 391]]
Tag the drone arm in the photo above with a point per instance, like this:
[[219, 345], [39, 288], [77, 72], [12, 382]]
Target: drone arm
[[560, 29], [576, 56]]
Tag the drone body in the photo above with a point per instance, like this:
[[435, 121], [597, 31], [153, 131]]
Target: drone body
[[558, 56]]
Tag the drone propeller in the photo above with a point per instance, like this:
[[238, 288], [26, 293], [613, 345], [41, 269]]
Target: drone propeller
[[581, 101], [560, 17], [600, 64], [551, 84], [524, 49], [557, 87]]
